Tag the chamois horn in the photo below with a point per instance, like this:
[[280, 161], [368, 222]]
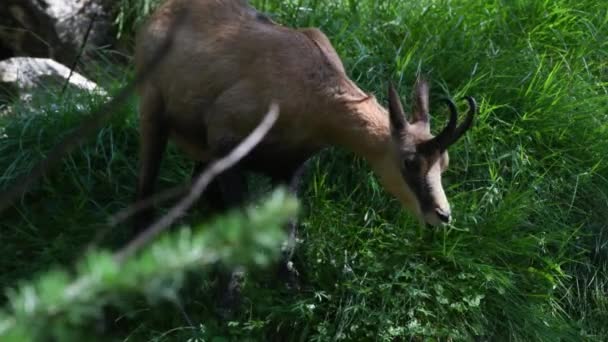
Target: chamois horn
[[451, 133]]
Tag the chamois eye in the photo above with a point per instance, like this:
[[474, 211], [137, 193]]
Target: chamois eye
[[410, 164]]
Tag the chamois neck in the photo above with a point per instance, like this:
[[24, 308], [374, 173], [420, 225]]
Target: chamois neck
[[363, 127], [366, 131]]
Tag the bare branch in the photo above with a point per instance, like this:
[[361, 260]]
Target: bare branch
[[91, 124], [201, 182], [80, 51], [133, 209]]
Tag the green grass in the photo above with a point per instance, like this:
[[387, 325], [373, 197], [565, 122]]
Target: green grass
[[527, 255]]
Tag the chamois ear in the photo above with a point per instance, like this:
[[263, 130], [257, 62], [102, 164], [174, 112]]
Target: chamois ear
[[395, 110], [421, 101]]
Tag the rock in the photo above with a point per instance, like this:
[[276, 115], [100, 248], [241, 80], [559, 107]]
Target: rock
[[53, 28], [21, 75]]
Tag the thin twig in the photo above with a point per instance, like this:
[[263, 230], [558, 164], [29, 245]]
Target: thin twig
[[91, 124], [80, 51], [133, 209], [201, 182], [34, 34]]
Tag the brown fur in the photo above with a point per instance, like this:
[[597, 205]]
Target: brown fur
[[226, 67], [230, 67]]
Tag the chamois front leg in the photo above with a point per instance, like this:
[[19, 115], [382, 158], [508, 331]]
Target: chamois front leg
[[153, 140], [227, 191], [212, 196], [231, 185], [287, 272]]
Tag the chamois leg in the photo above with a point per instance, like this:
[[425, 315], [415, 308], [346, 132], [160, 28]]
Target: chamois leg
[[212, 196], [153, 140], [233, 188], [227, 191], [287, 272]]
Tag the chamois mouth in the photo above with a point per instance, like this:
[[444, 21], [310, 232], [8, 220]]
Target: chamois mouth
[[436, 218]]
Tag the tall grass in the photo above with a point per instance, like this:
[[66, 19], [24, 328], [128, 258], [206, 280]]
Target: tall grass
[[526, 256]]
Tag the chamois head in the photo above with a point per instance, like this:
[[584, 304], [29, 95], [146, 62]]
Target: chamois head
[[422, 157]]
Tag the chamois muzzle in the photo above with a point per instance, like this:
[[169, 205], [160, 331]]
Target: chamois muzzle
[[444, 215], [451, 133]]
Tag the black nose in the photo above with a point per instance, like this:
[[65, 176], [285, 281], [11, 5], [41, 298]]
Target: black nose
[[443, 215]]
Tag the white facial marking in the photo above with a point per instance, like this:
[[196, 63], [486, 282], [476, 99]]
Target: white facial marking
[[433, 178]]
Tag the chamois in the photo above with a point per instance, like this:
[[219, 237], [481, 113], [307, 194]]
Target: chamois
[[229, 62]]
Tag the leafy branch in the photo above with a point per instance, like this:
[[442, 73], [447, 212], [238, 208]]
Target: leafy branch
[[44, 307]]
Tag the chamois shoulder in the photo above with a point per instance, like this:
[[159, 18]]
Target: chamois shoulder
[[324, 45]]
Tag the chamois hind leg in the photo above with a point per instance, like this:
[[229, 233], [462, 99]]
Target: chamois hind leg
[[153, 141]]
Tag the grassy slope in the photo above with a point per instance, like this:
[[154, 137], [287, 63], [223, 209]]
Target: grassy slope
[[526, 257]]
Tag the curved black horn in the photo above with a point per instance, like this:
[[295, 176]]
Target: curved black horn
[[442, 139], [466, 124]]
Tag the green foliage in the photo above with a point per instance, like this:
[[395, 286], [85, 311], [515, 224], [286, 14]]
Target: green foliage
[[56, 302], [526, 257], [131, 13]]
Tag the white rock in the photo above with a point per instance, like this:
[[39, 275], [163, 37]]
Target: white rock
[[27, 73]]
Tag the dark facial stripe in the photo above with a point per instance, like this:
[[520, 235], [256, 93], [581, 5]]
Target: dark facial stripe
[[421, 189]]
